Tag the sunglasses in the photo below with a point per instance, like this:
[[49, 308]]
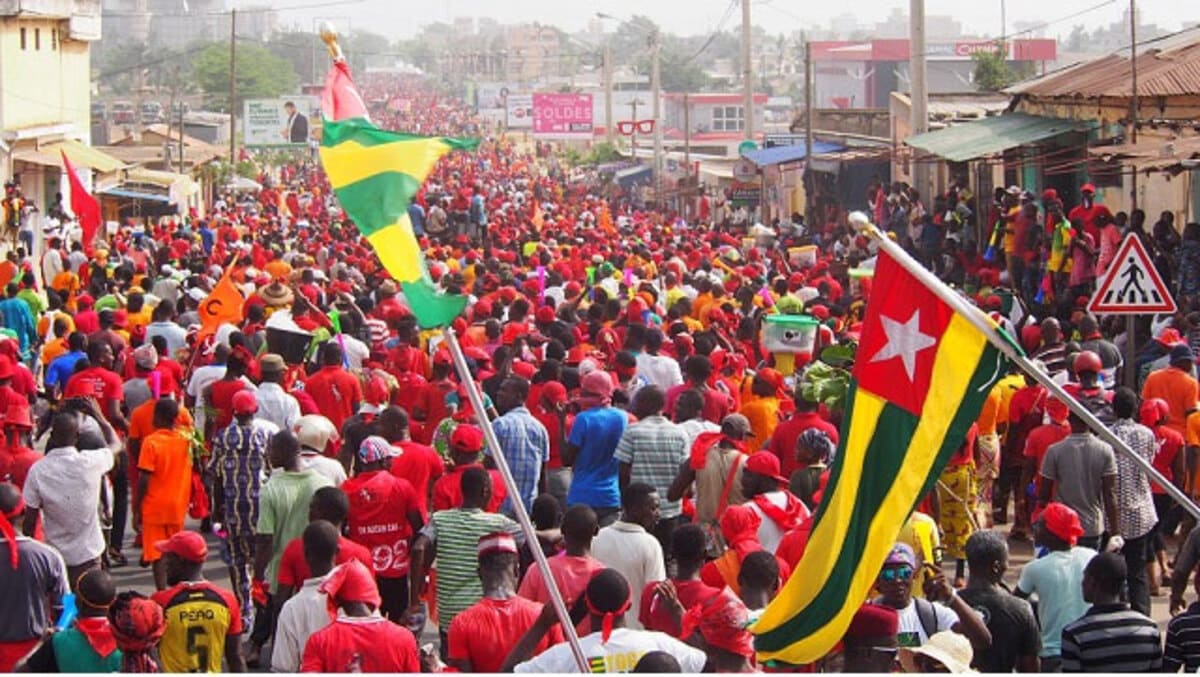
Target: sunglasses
[[901, 573]]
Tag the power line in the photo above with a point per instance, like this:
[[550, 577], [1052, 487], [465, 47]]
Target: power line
[[253, 10]]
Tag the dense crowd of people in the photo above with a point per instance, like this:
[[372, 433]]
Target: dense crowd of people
[[671, 458]]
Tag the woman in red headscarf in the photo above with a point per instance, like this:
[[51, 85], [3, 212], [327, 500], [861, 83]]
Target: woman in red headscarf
[[739, 526]]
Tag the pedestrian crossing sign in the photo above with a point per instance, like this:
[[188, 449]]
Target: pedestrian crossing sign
[[1132, 284]]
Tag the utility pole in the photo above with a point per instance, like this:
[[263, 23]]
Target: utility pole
[[656, 87], [919, 95], [633, 136], [747, 73], [809, 89], [1133, 99], [687, 154], [180, 136], [609, 132], [232, 93], [1003, 25]]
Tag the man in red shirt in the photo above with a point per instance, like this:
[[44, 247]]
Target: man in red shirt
[[100, 383], [688, 551], [697, 370], [1089, 212], [481, 637], [466, 444], [572, 569], [331, 505], [430, 408], [384, 517], [551, 411], [1040, 438], [218, 395], [1025, 411], [417, 463], [783, 440], [358, 639], [336, 391]]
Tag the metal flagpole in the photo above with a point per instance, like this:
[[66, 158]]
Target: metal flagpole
[[539, 557], [984, 324]]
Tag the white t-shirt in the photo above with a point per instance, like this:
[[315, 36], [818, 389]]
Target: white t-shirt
[[65, 486], [769, 533], [620, 653], [633, 552], [912, 633]]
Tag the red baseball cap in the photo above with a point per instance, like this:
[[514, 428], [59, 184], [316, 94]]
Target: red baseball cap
[[764, 463], [554, 393], [244, 402], [187, 545], [466, 439]]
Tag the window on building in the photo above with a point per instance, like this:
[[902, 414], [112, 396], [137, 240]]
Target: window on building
[[727, 119], [37, 39], [23, 39], [54, 40]]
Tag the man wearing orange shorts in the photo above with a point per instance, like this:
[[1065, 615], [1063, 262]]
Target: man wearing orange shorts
[[164, 485]]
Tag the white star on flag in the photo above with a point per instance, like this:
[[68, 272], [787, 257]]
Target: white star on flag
[[904, 341]]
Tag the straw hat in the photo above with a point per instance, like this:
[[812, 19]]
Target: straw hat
[[947, 647], [277, 294]]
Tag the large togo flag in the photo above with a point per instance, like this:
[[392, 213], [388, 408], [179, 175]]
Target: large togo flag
[[375, 174], [920, 378]]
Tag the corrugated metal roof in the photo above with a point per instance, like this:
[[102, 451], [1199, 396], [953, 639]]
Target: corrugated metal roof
[[1167, 66], [988, 136], [777, 155]]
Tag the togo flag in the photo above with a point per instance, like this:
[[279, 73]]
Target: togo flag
[[920, 378], [375, 174]]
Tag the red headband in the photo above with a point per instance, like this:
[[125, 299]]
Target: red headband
[[606, 626], [10, 534]]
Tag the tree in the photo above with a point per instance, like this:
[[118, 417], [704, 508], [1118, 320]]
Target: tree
[[992, 72], [1076, 41], [260, 74]]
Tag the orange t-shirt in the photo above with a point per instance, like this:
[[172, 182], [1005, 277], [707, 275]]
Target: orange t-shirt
[[278, 269], [1180, 391], [167, 456], [141, 420], [53, 348]]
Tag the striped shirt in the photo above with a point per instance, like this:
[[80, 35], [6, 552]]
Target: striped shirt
[[526, 447], [1183, 641], [455, 535], [1111, 638], [654, 447]]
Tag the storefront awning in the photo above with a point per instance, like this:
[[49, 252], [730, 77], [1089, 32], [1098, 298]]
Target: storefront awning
[[49, 155], [135, 195], [971, 140], [778, 155]]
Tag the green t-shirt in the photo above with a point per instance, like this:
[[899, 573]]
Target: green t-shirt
[[283, 511]]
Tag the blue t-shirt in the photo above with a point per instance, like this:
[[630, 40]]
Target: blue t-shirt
[[60, 370], [596, 433]]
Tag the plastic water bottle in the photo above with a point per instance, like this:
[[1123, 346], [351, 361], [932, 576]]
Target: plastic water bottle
[[69, 612]]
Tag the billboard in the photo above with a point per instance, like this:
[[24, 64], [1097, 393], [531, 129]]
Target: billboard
[[519, 113], [562, 116], [491, 95], [267, 122]]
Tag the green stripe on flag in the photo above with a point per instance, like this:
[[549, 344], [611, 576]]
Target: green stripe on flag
[[882, 463], [379, 201]]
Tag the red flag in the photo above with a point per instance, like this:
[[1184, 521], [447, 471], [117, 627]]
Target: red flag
[[86, 208], [340, 99]]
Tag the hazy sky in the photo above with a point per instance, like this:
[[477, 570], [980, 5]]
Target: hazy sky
[[402, 18]]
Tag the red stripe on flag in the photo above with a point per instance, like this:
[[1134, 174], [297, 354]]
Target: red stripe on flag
[[86, 208], [340, 100], [902, 326]]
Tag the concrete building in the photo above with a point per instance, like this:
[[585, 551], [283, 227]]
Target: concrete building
[[45, 99], [532, 52], [172, 23], [863, 74]]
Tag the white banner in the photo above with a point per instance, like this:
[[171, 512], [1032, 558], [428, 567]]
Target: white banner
[[272, 122], [519, 113]]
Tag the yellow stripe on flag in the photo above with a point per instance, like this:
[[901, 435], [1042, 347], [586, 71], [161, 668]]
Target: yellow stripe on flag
[[398, 250], [958, 355], [349, 162]]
